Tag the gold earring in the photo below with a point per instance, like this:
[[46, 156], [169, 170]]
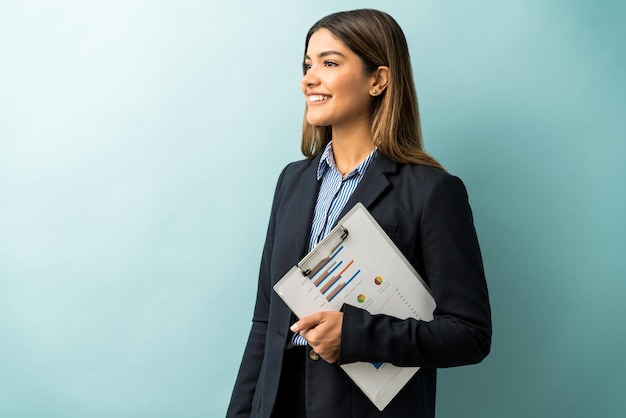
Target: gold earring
[[374, 91]]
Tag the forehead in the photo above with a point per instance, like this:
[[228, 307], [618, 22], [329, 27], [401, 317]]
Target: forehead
[[323, 41]]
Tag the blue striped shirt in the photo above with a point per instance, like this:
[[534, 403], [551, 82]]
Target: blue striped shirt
[[334, 193]]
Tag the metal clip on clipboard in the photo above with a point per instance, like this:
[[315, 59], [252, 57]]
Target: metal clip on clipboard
[[337, 236]]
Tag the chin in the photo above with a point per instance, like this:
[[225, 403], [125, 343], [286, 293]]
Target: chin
[[317, 118], [318, 121], [315, 122]]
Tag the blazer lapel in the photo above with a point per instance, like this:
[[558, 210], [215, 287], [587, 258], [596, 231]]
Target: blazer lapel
[[373, 183]]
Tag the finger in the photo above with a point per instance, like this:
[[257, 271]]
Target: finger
[[307, 322]]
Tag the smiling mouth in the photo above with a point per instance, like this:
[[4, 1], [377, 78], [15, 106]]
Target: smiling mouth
[[318, 98]]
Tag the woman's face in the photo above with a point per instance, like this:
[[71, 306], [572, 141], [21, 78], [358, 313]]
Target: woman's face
[[336, 89]]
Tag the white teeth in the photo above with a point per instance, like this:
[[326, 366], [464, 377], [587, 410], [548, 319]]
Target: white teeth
[[318, 98]]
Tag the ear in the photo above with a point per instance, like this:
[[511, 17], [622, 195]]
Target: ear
[[380, 79]]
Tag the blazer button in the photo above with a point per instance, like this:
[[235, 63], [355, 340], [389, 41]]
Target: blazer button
[[313, 355]]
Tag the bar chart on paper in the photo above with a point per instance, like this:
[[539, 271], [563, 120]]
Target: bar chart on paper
[[340, 278], [360, 271], [329, 272]]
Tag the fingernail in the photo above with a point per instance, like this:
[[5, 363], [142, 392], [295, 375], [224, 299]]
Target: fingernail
[[294, 327]]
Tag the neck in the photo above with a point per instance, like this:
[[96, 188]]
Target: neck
[[350, 147]]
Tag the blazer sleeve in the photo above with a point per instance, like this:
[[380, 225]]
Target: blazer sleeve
[[250, 368], [460, 332]]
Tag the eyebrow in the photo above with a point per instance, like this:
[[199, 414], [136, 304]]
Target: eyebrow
[[325, 54]]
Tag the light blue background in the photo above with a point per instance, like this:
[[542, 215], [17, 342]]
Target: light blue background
[[140, 142]]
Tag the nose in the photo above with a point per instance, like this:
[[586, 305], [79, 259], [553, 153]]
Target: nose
[[310, 78]]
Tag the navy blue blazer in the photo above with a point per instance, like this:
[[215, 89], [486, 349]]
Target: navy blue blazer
[[425, 211]]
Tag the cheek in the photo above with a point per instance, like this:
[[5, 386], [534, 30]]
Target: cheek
[[357, 93], [356, 87]]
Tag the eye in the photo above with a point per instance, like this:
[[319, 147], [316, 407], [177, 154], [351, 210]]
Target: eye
[[329, 63], [306, 66]]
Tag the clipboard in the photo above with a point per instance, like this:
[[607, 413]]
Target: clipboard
[[358, 264]]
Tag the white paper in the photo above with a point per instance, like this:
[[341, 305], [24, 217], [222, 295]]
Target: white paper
[[364, 269]]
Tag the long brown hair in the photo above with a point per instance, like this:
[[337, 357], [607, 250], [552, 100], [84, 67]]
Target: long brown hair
[[395, 124]]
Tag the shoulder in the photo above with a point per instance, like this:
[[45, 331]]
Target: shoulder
[[442, 195], [426, 179], [297, 168], [292, 175]]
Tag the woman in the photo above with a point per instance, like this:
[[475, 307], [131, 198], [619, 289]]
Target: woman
[[362, 140]]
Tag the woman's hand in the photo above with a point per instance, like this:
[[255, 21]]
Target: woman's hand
[[322, 330]]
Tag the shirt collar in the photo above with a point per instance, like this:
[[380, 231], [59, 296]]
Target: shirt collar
[[327, 161]]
